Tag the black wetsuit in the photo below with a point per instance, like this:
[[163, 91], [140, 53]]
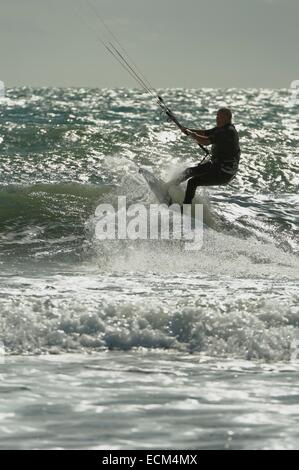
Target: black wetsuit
[[223, 165]]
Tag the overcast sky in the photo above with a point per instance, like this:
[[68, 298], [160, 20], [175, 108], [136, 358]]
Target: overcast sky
[[188, 43]]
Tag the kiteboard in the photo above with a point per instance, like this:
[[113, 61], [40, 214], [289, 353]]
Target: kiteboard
[[165, 193]]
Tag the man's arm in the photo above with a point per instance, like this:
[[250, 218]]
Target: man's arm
[[188, 131], [197, 131], [196, 135], [201, 139]]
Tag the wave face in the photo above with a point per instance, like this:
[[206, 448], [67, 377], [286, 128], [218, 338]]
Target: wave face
[[63, 152]]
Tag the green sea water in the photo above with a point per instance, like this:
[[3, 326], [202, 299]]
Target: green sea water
[[129, 336]]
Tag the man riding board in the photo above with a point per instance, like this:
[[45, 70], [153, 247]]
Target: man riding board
[[224, 162]]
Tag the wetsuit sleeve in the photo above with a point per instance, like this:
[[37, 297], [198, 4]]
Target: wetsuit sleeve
[[210, 132]]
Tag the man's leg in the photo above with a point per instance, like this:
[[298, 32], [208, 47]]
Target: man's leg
[[191, 189], [197, 177], [207, 175], [182, 177], [190, 172]]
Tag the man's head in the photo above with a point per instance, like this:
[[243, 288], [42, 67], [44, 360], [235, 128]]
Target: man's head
[[224, 116]]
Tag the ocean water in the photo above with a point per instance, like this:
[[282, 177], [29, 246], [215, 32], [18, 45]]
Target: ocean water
[[140, 344]]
